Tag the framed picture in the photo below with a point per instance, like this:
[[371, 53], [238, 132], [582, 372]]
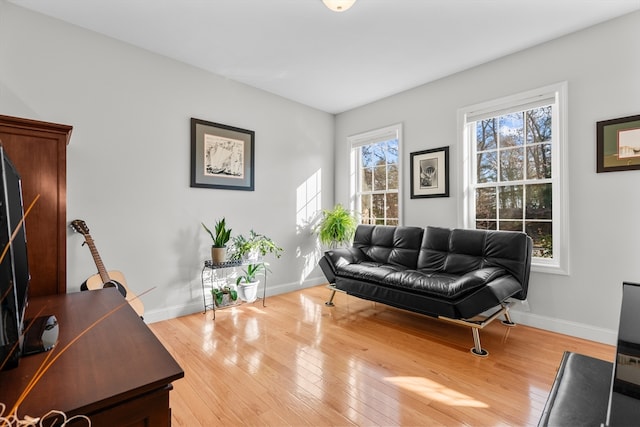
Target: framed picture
[[618, 144], [430, 173], [221, 156]]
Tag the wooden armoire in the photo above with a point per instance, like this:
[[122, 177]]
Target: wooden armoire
[[38, 150]]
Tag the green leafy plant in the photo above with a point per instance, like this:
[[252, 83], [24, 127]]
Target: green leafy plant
[[337, 226], [253, 247], [250, 273], [222, 233], [218, 294]]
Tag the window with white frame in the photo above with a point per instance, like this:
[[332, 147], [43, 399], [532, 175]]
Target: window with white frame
[[375, 175], [514, 170]]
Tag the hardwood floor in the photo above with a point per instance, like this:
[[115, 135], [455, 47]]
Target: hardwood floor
[[298, 362]]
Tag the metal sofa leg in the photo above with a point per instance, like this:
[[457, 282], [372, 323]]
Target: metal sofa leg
[[507, 319], [480, 322], [477, 348], [333, 288], [330, 302]]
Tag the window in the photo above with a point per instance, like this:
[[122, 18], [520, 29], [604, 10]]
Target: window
[[375, 175], [514, 171]]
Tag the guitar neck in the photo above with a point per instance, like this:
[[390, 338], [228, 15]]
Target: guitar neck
[[102, 271]]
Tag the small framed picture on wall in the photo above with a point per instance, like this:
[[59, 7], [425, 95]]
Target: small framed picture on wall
[[618, 144], [430, 173], [222, 156]]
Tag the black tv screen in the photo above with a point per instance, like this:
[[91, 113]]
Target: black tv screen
[[14, 267]]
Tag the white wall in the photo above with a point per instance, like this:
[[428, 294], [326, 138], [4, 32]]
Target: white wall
[[601, 65], [129, 157]]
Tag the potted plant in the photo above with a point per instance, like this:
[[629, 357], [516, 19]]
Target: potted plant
[[220, 239], [224, 296], [252, 249], [247, 283], [336, 227]]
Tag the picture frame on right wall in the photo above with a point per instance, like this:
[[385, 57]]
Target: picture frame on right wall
[[430, 173], [618, 144]]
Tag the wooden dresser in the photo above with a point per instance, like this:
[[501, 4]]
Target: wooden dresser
[[118, 373]]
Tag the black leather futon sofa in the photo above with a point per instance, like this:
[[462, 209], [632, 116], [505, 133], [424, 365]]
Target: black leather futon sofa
[[450, 274]]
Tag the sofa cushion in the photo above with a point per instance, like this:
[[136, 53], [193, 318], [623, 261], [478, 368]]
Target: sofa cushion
[[389, 244], [368, 271], [443, 285]]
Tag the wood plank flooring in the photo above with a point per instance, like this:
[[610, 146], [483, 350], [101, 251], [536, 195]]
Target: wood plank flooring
[[297, 362]]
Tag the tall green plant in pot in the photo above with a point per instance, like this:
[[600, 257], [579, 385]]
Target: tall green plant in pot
[[252, 249], [220, 239], [336, 227]]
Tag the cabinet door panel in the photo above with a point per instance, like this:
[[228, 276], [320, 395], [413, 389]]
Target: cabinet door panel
[[38, 151]]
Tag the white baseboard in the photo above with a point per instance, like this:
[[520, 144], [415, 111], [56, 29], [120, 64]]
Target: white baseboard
[[152, 316], [580, 330]]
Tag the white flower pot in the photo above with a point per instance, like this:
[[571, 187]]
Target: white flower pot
[[248, 291]]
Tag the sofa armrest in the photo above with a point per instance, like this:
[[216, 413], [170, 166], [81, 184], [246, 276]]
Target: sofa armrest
[[335, 258], [475, 279]]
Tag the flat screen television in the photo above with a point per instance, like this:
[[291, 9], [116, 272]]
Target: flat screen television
[[14, 268], [18, 336]]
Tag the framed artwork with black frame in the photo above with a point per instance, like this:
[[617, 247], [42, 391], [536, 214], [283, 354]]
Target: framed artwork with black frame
[[430, 173], [618, 144], [222, 156]]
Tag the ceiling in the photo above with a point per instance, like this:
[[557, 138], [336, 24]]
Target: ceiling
[[331, 61]]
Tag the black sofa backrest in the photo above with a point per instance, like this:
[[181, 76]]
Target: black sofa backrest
[[389, 244], [459, 251]]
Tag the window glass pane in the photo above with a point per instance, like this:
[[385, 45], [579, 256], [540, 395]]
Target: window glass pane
[[392, 222], [366, 179], [511, 130], [510, 225], [539, 161], [380, 178], [486, 135], [377, 201], [392, 177], [542, 235], [511, 164], [486, 203], [538, 201], [392, 151], [487, 225], [365, 209], [372, 155], [366, 156], [392, 206], [510, 202], [488, 166], [539, 125]]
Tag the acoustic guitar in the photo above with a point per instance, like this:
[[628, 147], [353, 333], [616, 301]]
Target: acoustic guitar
[[104, 278]]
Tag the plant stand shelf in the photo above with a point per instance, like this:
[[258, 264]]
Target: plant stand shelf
[[218, 275]]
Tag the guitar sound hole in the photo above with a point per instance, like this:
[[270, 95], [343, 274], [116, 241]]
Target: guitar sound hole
[[114, 284]]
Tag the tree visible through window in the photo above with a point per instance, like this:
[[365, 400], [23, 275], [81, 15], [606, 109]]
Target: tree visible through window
[[513, 184], [376, 168], [514, 174]]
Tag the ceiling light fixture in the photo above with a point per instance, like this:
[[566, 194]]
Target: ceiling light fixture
[[338, 5]]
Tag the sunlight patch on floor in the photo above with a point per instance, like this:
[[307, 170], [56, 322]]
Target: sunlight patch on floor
[[435, 391]]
